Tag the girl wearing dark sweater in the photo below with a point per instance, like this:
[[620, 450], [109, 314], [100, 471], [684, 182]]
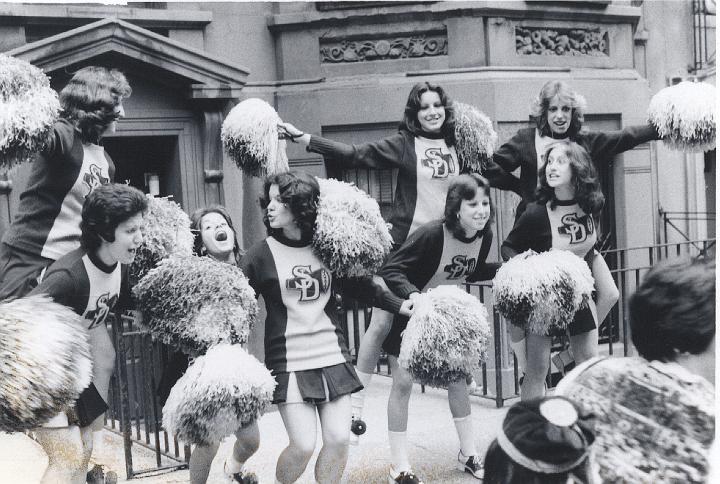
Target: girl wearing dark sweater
[[563, 218], [449, 251], [558, 113]]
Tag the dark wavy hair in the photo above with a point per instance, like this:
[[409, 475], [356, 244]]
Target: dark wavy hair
[[300, 192], [541, 105], [588, 193], [464, 187], [673, 310], [412, 107], [195, 226], [91, 100], [105, 208]]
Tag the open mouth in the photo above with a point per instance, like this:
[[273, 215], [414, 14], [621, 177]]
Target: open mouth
[[221, 236]]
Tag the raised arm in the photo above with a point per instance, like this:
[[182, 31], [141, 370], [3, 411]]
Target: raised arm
[[603, 145], [390, 152]]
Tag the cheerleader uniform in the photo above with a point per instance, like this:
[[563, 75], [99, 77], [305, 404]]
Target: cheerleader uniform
[[527, 148], [426, 166], [304, 344], [430, 257], [48, 222], [558, 225], [81, 281]]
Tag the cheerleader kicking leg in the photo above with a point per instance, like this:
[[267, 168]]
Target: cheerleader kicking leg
[[300, 421], [459, 401], [538, 363], [247, 442], [333, 455]]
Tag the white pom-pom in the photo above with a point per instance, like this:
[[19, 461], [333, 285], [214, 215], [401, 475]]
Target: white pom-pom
[[166, 232], [28, 109], [192, 303], [446, 337], [351, 237], [222, 391], [475, 138], [45, 361], [250, 136], [541, 292], [684, 115]]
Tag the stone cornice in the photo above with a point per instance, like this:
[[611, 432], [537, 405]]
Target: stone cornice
[[12, 13], [584, 11], [206, 76]]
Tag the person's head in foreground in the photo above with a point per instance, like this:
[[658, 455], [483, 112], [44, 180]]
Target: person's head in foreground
[[542, 441], [672, 315]]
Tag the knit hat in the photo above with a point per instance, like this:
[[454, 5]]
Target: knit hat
[[546, 435]]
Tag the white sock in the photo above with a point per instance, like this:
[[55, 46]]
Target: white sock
[[398, 451], [464, 427], [232, 465], [357, 399], [521, 354]]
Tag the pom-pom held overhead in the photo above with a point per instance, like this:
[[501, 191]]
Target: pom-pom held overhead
[[250, 136], [45, 361], [351, 237], [684, 115], [166, 232], [654, 421], [220, 392], [193, 302], [475, 138], [542, 292], [28, 109], [446, 337]]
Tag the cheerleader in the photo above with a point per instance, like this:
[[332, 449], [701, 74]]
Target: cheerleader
[[448, 251], [89, 280], [71, 165], [215, 238], [304, 345], [558, 114], [423, 152], [563, 217]]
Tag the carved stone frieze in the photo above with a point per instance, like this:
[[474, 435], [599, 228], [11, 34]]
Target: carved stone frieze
[[359, 50], [561, 41]]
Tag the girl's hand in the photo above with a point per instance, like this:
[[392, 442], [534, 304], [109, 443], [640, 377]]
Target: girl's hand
[[288, 131], [407, 307]]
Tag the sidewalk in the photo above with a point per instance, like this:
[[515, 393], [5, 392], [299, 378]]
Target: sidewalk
[[432, 436]]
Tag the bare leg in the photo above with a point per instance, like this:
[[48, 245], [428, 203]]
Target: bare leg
[[584, 346], [301, 424], [65, 450], [200, 462], [607, 291], [398, 403], [333, 455], [538, 362]]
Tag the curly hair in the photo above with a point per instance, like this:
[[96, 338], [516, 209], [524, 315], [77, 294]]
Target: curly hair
[[105, 208], [412, 107], [464, 187], [300, 192], [541, 105], [195, 227], [91, 100], [673, 310], [588, 193]]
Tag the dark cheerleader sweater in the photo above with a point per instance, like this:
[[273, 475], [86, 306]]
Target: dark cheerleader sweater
[[84, 283], [48, 220], [302, 328], [521, 151], [426, 166], [541, 228], [433, 256]]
